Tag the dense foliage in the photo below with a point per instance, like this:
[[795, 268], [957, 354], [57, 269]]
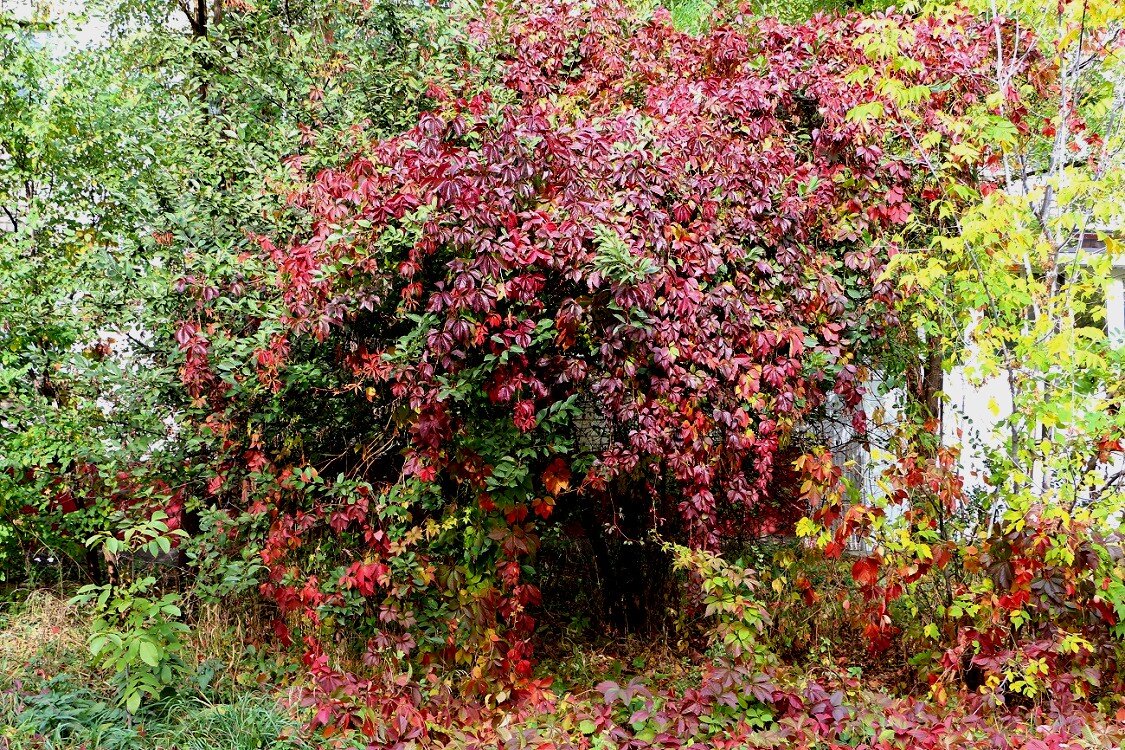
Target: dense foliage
[[428, 338], [672, 242]]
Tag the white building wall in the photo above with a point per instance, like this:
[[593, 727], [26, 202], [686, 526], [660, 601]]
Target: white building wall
[[973, 411]]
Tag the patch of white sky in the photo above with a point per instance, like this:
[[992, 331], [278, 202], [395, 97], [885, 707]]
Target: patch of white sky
[[68, 25], [72, 25]]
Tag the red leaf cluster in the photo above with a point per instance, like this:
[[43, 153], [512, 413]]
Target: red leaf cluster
[[687, 234]]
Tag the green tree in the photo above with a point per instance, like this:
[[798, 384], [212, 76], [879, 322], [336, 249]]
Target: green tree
[[1017, 559]]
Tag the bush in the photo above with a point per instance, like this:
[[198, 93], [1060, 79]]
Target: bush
[[600, 284]]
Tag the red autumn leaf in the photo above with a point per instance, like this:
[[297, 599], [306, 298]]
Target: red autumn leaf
[[865, 571], [543, 506], [282, 632], [557, 477]]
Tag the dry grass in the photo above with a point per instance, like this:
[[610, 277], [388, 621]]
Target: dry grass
[[578, 666], [220, 633], [45, 634]]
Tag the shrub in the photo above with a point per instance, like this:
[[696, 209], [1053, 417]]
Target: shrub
[[601, 283]]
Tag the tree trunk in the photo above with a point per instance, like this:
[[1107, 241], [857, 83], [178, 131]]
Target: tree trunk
[[634, 571]]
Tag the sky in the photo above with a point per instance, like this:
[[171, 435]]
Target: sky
[[84, 30]]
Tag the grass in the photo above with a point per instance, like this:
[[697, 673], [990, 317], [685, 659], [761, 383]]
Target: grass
[[250, 721], [52, 697], [69, 717], [43, 632]]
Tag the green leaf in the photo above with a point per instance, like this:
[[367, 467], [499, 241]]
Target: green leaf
[[133, 701], [97, 643], [150, 653]]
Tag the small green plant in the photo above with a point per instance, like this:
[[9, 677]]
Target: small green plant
[[137, 634], [64, 715], [730, 597]]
